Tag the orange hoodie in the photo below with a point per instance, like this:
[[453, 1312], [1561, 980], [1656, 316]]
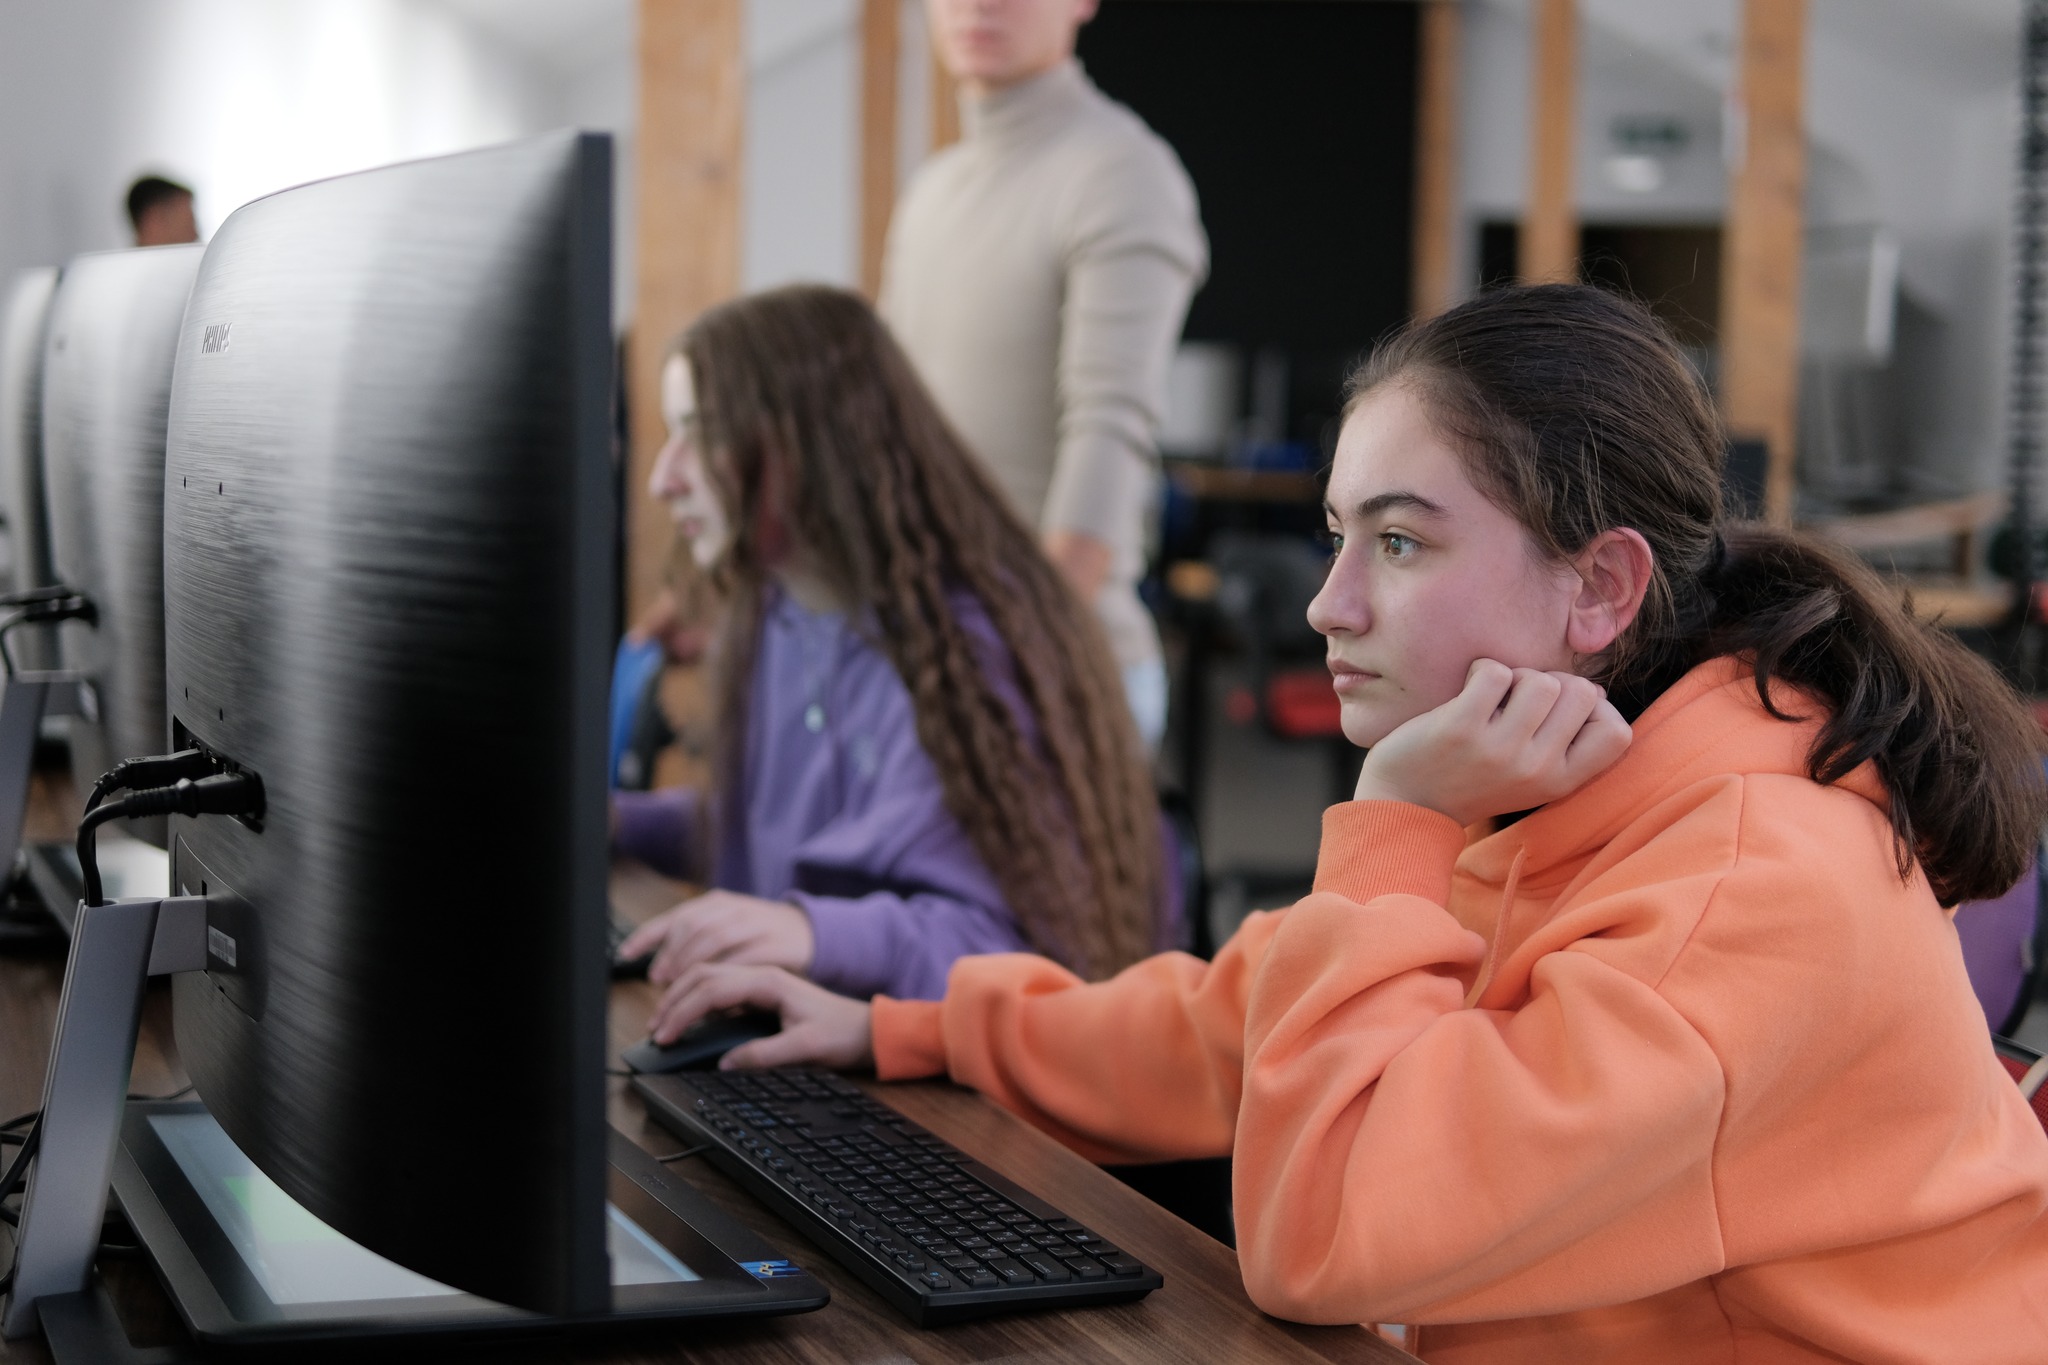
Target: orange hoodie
[[1676, 1069]]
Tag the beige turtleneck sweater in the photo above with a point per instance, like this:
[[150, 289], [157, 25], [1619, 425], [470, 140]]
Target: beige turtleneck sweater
[[1038, 272]]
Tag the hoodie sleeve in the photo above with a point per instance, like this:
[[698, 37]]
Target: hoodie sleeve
[[1398, 1155]]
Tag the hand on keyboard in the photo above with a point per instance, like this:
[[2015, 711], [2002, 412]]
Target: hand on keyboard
[[817, 1026]]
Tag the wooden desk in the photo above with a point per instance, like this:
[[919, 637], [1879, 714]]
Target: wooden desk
[[1202, 1313]]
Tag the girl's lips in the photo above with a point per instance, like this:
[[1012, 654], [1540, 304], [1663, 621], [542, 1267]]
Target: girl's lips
[[1349, 677]]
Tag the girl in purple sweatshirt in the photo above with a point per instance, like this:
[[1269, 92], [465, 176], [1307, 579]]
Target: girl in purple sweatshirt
[[922, 746]]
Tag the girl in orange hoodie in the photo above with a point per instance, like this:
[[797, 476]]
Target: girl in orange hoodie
[[1625, 1022]]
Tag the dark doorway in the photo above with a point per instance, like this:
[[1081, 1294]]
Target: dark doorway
[[1296, 121]]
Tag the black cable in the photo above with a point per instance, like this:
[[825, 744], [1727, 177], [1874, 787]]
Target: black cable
[[17, 1170], [24, 597], [16, 1176], [156, 771], [88, 847], [221, 794], [698, 1150], [48, 605]]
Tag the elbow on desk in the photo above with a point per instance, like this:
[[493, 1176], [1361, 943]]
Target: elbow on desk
[[1281, 1281]]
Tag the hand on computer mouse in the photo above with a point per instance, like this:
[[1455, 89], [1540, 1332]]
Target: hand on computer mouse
[[723, 926], [817, 1026]]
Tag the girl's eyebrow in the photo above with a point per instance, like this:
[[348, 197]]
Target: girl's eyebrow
[[1401, 498]]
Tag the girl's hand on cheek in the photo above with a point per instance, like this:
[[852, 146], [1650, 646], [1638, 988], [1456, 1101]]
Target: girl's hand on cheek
[[1514, 739]]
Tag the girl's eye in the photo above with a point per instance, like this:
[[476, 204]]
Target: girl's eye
[[1335, 540], [1396, 545]]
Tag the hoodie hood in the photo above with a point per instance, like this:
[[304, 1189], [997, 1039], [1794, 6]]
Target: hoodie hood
[[1709, 725]]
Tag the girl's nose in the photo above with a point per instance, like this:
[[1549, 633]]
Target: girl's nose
[[1340, 608], [666, 480]]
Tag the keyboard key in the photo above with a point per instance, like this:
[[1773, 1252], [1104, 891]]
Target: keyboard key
[[979, 1279], [1012, 1271], [1085, 1267], [935, 1280], [1046, 1268], [966, 1265], [1122, 1264]]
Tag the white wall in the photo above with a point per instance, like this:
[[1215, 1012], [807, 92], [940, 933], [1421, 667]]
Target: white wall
[[1617, 78], [801, 182], [235, 97], [1911, 113]]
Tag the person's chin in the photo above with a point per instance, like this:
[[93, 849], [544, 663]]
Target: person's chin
[[1365, 725]]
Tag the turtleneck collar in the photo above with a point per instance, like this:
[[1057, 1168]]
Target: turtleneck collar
[[1016, 110]]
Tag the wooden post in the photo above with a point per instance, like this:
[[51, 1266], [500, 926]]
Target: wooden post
[[1433, 252], [881, 46], [945, 109], [1764, 238], [692, 106], [1549, 246]]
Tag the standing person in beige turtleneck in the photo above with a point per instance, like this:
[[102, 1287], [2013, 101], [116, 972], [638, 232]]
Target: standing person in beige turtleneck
[[1038, 272]]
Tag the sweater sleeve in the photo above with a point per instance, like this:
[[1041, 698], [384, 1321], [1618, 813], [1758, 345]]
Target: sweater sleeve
[[901, 944], [1134, 255], [659, 828], [1398, 1156]]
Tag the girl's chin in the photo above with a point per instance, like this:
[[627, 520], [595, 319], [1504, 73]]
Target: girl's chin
[[1366, 725]]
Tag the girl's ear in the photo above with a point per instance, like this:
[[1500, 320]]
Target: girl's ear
[[1614, 571]]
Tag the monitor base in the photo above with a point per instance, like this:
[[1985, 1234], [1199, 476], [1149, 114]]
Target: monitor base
[[84, 1327]]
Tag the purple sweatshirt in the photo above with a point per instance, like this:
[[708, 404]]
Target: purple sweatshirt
[[847, 820]]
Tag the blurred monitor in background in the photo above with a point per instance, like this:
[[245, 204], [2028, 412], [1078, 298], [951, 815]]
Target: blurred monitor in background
[[161, 213], [112, 337], [24, 316]]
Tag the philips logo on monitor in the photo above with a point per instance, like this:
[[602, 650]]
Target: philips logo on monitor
[[216, 339]]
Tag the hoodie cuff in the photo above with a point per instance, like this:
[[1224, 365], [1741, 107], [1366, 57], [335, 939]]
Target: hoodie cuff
[[1385, 848], [909, 1039]]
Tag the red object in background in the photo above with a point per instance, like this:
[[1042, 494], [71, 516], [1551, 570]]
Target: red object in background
[[1301, 704]]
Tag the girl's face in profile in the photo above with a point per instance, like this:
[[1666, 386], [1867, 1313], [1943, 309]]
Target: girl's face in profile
[[680, 478], [1429, 575]]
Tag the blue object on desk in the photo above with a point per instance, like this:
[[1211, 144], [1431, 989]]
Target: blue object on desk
[[637, 663]]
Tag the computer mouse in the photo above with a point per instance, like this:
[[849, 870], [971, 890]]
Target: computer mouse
[[702, 1043], [617, 931]]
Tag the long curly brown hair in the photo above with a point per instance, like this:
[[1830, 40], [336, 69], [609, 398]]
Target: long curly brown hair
[[809, 408]]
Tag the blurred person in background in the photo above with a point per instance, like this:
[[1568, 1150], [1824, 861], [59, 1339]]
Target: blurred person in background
[[920, 749], [161, 213], [1038, 272]]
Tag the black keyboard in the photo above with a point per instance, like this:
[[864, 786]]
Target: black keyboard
[[934, 1232]]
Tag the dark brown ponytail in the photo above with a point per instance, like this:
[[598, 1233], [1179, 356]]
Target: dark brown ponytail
[[1576, 413]]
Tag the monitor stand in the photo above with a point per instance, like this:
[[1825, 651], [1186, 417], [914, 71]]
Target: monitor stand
[[25, 699], [115, 949]]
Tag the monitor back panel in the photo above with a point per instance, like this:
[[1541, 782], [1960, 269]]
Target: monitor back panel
[[388, 532]]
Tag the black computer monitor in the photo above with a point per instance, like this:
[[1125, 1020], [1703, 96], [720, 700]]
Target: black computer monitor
[[113, 333], [24, 318], [387, 551]]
